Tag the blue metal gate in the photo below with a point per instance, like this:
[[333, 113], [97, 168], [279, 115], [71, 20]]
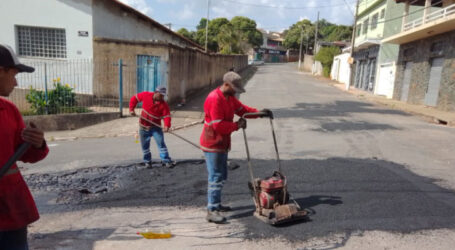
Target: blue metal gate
[[151, 73]]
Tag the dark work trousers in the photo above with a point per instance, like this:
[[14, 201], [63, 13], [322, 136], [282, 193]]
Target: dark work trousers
[[14, 240]]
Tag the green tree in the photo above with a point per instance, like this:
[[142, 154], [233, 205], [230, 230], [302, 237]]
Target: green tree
[[214, 30], [228, 37], [325, 56], [339, 33], [293, 35], [247, 31], [228, 40], [188, 34], [201, 24], [330, 32]]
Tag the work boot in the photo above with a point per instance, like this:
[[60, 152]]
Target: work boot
[[170, 164], [215, 217], [148, 165], [222, 208]]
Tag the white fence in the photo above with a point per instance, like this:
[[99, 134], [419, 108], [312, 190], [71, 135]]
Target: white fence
[[78, 74]]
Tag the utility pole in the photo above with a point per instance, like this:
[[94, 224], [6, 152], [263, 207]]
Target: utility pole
[[207, 26], [307, 43], [351, 59], [300, 51], [316, 36]]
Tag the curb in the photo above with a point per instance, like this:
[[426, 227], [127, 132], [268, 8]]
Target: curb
[[364, 96], [73, 138]]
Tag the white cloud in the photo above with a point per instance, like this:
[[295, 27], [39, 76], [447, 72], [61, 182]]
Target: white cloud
[[140, 5], [187, 12]]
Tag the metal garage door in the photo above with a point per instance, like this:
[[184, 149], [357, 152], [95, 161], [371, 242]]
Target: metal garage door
[[151, 73], [406, 82], [385, 80], [431, 97]]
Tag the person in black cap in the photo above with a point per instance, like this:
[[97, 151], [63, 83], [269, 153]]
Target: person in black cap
[[17, 207]]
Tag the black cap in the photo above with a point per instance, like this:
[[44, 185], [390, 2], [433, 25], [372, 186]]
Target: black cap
[[9, 59]]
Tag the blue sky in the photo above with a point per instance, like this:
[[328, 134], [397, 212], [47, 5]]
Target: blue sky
[[268, 14]]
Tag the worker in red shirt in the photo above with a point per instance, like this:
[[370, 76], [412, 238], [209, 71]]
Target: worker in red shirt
[[154, 108], [220, 107], [17, 208]]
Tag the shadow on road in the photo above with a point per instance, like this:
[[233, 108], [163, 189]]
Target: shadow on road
[[317, 111], [70, 239], [345, 125], [345, 194], [316, 200]]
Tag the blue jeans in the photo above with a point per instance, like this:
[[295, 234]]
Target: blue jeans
[[217, 175], [145, 136], [14, 240]]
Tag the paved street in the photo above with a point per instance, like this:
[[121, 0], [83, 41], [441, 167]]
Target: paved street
[[372, 177]]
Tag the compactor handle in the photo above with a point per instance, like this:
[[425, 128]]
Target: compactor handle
[[260, 114]]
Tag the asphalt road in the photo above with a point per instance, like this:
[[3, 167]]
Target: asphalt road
[[358, 167]]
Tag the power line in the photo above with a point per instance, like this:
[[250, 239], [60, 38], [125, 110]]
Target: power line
[[283, 7], [349, 7]]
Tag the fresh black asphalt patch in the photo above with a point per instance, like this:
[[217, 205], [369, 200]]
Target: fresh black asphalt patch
[[344, 195]]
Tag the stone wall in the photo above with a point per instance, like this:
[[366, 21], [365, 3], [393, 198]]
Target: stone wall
[[106, 54], [420, 53], [188, 69], [191, 69], [308, 61]]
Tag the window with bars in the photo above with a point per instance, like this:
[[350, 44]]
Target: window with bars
[[41, 42], [382, 13], [374, 21], [365, 26]]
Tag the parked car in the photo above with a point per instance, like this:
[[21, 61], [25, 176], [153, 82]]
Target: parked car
[[255, 62]]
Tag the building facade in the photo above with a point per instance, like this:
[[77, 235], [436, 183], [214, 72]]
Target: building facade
[[375, 61], [369, 32], [80, 42], [271, 50], [426, 63]]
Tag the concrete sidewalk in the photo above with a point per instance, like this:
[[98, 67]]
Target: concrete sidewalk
[[428, 113], [182, 117], [127, 126]]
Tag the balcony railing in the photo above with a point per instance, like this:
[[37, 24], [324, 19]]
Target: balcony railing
[[447, 11]]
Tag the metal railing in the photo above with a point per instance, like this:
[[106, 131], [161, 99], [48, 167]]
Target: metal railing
[[442, 13], [413, 24], [67, 86]]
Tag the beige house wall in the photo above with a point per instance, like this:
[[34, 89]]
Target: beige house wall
[[188, 69]]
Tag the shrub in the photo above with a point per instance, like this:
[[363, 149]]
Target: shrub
[[61, 99], [325, 56]]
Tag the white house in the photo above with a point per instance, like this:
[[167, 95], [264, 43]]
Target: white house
[[57, 37], [341, 69]]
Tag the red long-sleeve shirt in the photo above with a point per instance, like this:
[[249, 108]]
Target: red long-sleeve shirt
[[151, 110], [17, 207], [219, 121]]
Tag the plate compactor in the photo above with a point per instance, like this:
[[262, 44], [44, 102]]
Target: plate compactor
[[270, 195]]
